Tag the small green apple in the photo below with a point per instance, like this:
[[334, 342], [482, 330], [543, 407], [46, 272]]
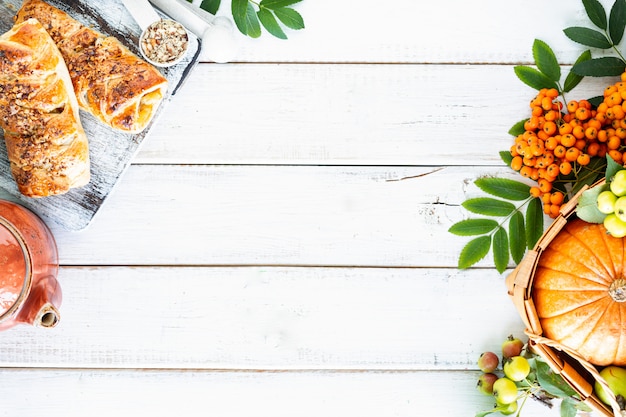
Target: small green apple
[[516, 368], [606, 202], [618, 183], [620, 208], [507, 409], [614, 226], [505, 391], [616, 378]]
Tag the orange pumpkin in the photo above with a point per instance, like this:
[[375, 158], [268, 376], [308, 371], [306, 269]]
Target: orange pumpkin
[[579, 292]]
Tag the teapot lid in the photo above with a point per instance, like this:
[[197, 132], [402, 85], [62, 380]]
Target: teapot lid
[[14, 267]]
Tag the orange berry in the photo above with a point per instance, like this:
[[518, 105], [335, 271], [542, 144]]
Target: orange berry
[[546, 103], [578, 132], [557, 198], [565, 168], [623, 76], [526, 171], [549, 127], [572, 154], [546, 208], [545, 186], [537, 111], [593, 149], [559, 151], [616, 155], [565, 128], [569, 139], [554, 210], [552, 93], [614, 142], [517, 163], [583, 159], [602, 135], [572, 106], [535, 192]]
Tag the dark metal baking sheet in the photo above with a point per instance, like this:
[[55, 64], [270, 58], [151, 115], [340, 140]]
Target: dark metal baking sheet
[[111, 152]]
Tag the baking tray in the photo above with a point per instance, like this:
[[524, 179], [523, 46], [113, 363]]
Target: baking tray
[[111, 152]]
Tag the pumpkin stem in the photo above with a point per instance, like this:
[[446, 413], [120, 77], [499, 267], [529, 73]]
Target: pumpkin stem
[[617, 290]]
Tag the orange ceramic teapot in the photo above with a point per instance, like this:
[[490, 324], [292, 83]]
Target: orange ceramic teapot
[[29, 291]]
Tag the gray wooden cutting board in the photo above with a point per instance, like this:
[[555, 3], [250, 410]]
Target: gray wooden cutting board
[[111, 152]]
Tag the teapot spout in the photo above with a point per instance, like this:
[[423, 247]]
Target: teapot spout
[[47, 317]]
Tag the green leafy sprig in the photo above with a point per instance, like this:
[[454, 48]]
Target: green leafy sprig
[[544, 385], [511, 232], [250, 15], [607, 34]]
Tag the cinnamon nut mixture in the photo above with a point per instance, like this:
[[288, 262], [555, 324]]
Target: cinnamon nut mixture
[[164, 41]]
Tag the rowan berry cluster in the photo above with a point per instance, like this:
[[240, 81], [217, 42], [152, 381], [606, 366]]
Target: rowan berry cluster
[[558, 142]]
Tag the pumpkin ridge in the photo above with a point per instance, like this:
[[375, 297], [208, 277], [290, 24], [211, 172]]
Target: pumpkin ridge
[[573, 264], [590, 284], [593, 333], [580, 326], [568, 308], [597, 253]]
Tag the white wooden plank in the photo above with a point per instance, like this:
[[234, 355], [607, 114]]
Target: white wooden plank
[[344, 114], [489, 31], [305, 394], [268, 215], [270, 318]]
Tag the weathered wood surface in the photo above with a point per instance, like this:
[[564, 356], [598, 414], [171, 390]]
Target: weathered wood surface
[[279, 245], [110, 151]]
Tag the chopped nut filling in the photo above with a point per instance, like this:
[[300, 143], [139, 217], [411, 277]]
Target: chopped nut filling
[[164, 41]]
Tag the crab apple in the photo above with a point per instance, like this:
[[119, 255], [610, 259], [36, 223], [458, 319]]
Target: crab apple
[[507, 409], [504, 390], [512, 346], [606, 202], [615, 376], [516, 368], [485, 383], [618, 183], [488, 362]]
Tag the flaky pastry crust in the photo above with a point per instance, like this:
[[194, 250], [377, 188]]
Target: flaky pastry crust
[[119, 88], [46, 144]]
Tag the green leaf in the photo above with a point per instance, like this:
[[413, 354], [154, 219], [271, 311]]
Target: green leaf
[[504, 188], [617, 21], [269, 22], [475, 250], [587, 37], [473, 227], [546, 60], [239, 10], [573, 79], [245, 18], [552, 383], [611, 168], [569, 407], [596, 100], [252, 22], [517, 237], [210, 6], [506, 157], [533, 77], [600, 67], [518, 128], [587, 208], [500, 247], [596, 13], [277, 4], [534, 222], [290, 18], [488, 206]]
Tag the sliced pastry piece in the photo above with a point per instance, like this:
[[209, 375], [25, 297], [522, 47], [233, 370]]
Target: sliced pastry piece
[[119, 88], [46, 144]]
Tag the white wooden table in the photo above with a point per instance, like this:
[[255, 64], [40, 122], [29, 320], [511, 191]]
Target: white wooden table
[[279, 246]]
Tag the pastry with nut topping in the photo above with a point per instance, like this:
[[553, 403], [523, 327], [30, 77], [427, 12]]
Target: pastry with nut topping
[[46, 144], [116, 86]]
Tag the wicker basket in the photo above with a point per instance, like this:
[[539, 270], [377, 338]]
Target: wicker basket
[[576, 371]]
